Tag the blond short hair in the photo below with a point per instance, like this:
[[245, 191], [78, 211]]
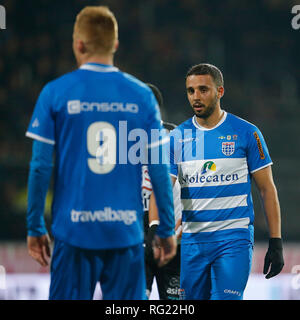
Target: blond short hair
[[97, 27]]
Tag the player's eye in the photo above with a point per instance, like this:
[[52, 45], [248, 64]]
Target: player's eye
[[190, 90]]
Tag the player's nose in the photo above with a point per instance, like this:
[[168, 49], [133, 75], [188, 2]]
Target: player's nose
[[196, 100], [197, 95]]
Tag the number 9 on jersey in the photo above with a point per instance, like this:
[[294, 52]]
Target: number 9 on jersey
[[102, 146]]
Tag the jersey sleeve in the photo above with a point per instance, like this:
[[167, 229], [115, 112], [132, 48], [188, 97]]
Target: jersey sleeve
[[41, 126], [258, 156], [38, 183]]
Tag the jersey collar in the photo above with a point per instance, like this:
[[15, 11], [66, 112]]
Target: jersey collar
[[98, 67], [198, 126]]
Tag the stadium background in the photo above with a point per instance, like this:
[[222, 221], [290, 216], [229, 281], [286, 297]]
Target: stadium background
[[251, 41]]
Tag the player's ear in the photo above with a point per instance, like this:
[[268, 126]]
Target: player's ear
[[116, 46], [220, 91], [80, 46]]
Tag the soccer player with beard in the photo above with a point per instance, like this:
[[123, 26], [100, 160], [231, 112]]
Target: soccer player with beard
[[215, 156]]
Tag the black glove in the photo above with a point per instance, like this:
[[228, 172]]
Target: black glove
[[149, 242], [274, 257]]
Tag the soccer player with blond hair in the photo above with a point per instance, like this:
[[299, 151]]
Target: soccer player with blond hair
[[97, 209]]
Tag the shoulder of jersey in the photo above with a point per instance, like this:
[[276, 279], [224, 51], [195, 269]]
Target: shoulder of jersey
[[179, 130], [64, 81], [135, 84], [240, 122], [185, 125]]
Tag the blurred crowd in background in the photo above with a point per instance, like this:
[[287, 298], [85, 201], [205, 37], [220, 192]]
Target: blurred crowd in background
[[252, 42]]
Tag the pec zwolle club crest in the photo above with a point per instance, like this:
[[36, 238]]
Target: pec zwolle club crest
[[228, 148]]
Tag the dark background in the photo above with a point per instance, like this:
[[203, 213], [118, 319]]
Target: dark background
[[251, 41]]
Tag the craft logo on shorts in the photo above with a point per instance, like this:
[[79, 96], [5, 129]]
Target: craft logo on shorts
[[2, 18], [235, 292], [260, 149], [228, 148]]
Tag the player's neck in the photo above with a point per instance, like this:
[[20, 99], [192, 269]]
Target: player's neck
[[212, 120], [97, 59]]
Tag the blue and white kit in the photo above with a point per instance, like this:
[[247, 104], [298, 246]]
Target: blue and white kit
[[214, 168]]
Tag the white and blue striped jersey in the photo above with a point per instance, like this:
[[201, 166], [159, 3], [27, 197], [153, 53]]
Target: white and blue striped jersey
[[214, 168]]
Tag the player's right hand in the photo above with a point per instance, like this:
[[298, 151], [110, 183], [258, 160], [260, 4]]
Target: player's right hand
[[39, 249], [164, 249]]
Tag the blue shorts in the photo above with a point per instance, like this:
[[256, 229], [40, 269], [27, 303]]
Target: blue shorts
[[215, 270], [75, 272]]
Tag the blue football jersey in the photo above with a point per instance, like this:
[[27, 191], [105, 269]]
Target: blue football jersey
[[214, 168], [93, 116]]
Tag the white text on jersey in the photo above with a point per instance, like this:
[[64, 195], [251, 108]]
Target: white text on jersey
[[106, 215], [77, 106]]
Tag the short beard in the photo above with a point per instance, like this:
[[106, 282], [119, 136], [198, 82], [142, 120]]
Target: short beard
[[208, 110]]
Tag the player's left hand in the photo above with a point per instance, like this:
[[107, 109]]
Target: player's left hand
[[274, 258], [39, 248], [164, 249]]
